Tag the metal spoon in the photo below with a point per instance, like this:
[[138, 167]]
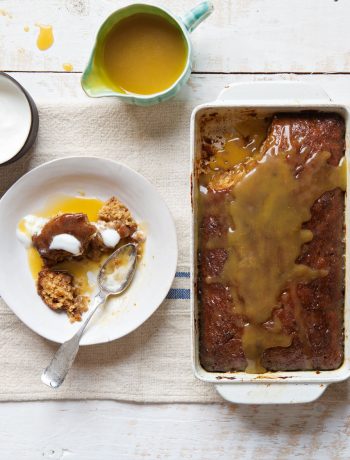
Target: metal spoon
[[114, 277]]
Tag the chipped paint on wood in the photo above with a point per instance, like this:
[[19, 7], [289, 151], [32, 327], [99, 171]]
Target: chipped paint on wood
[[240, 36]]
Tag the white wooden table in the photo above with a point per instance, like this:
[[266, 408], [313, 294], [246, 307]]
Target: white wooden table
[[243, 40]]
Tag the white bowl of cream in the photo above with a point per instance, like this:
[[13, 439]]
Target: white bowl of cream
[[19, 120]]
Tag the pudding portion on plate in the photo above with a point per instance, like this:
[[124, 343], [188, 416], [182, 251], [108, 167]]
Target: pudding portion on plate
[[68, 241]]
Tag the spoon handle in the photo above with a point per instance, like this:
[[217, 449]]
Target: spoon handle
[[62, 361]]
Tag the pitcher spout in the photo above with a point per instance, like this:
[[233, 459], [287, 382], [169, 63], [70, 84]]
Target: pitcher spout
[[93, 84]]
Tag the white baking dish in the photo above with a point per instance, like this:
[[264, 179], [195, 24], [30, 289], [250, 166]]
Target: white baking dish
[[238, 101]]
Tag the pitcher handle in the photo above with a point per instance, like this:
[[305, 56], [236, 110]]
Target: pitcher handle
[[194, 17]]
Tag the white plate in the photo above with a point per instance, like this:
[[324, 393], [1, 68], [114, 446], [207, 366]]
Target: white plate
[[99, 178]]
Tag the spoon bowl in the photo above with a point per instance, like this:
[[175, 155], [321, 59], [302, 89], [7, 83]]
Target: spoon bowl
[[118, 270]]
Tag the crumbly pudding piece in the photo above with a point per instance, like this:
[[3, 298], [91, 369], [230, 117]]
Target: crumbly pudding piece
[[58, 291], [70, 245], [116, 213]]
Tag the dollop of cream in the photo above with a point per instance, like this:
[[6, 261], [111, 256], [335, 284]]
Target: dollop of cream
[[66, 242], [110, 236], [32, 226], [23, 238]]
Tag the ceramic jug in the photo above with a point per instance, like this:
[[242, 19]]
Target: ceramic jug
[[93, 82]]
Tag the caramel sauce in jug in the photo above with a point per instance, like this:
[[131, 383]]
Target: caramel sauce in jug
[[144, 54]]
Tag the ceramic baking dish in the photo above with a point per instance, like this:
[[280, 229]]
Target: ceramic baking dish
[[237, 102]]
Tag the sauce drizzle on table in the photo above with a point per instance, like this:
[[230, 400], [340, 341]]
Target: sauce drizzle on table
[[45, 38]]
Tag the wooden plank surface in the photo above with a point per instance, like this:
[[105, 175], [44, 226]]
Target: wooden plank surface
[[199, 89], [114, 431], [240, 36]]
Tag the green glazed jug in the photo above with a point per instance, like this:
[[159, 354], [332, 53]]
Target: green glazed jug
[[93, 81]]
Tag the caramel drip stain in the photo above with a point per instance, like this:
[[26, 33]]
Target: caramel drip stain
[[67, 67], [45, 38]]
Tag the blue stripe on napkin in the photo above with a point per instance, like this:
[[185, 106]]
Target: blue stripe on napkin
[[178, 294], [180, 288], [182, 274]]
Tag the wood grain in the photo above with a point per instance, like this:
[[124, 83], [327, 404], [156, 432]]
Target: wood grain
[[240, 36], [110, 430], [199, 89]]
